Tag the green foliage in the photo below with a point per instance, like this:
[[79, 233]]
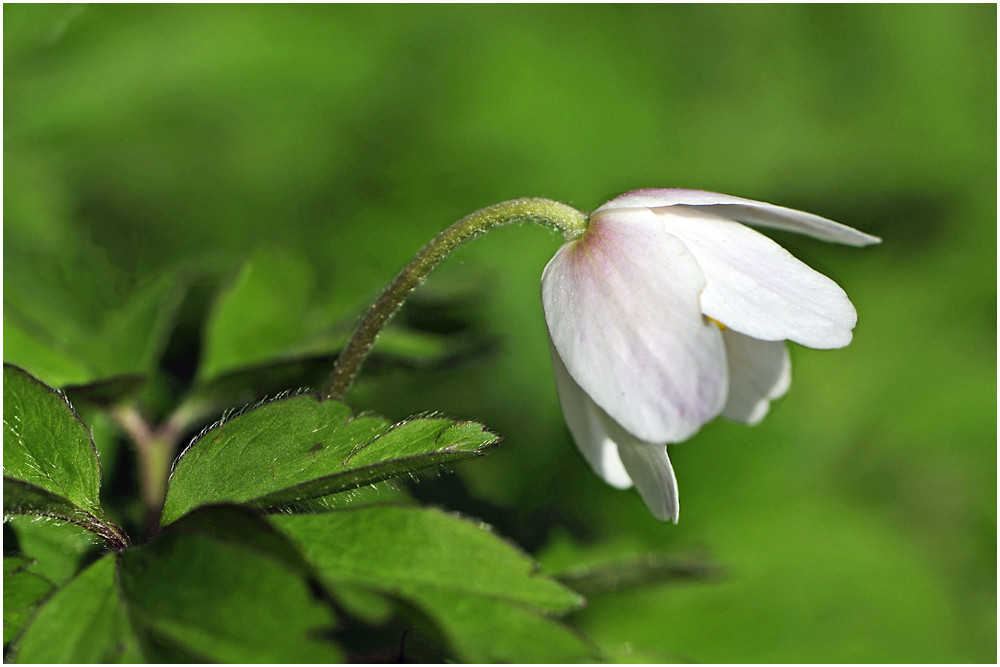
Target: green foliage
[[22, 591], [45, 443], [300, 447], [85, 622], [414, 550], [50, 463], [184, 595], [56, 549], [473, 585], [261, 315], [220, 584], [200, 200], [80, 326], [222, 601]]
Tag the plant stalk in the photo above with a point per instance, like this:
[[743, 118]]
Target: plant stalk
[[155, 450], [560, 217]]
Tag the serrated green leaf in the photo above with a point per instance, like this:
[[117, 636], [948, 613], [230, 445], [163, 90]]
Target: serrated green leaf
[[223, 600], [85, 622], [488, 597], [49, 460], [299, 447], [412, 550], [23, 498], [45, 444]]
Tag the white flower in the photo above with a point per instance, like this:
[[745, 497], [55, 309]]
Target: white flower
[[667, 312]]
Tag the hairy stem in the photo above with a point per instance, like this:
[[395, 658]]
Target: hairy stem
[[561, 217]]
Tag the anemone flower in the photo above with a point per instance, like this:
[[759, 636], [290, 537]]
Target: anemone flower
[[667, 312]]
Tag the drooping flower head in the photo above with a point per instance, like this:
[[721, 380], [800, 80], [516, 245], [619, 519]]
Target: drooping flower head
[[668, 311]]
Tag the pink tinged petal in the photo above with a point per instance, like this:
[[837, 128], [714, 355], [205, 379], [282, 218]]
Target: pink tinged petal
[[759, 372], [623, 313], [746, 210], [758, 288], [586, 422]]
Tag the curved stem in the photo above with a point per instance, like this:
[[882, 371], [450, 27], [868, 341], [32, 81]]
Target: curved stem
[[561, 217]]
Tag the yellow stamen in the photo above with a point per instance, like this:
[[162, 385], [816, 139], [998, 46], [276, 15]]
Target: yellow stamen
[[722, 327]]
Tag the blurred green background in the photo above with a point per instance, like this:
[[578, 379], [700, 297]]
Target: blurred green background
[[149, 151]]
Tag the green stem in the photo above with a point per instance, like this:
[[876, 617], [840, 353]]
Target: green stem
[[153, 458], [155, 450], [560, 217]]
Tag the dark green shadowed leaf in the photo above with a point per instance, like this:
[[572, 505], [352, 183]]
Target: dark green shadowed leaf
[[638, 573], [86, 326], [268, 313], [243, 527], [220, 586], [22, 590], [50, 463], [267, 331], [55, 548], [85, 622], [223, 599], [299, 447], [485, 595], [12, 564]]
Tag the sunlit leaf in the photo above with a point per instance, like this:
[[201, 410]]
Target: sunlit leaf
[[299, 447], [487, 597], [50, 463], [260, 315]]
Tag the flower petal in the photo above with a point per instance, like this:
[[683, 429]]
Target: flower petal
[[759, 372], [650, 469], [586, 422], [757, 287], [746, 210], [623, 313]]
